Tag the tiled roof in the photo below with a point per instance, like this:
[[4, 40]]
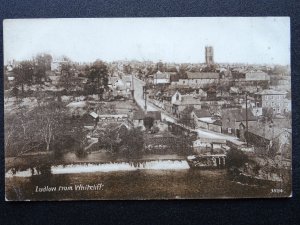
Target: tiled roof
[[239, 114], [266, 131], [94, 115], [161, 75], [188, 100], [271, 92], [202, 75], [202, 113], [218, 122], [138, 115], [257, 75]]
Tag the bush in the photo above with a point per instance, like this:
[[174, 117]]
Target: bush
[[236, 158], [80, 153]]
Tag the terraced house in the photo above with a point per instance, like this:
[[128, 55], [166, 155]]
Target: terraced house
[[273, 99]]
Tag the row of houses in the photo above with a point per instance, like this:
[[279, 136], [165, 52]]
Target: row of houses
[[175, 101], [201, 79], [247, 127]]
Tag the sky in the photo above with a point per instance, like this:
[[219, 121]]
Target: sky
[[258, 40]]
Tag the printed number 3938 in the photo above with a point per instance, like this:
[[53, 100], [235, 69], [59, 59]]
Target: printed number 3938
[[276, 190]]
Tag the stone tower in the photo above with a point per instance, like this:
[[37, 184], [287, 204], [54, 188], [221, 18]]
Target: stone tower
[[209, 55]]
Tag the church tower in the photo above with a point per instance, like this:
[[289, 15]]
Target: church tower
[[209, 55]]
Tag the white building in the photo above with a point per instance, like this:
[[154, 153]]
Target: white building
[[161, 78]]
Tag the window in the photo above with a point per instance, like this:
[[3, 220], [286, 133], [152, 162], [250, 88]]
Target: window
[[272, 104], [183, 82], [278, 110], [266, 97], [229, 131]]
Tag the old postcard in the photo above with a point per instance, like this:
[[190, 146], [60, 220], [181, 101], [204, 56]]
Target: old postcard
[[147, 108]]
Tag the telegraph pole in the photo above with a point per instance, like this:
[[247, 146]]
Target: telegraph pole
[[132, 88], [247, 117], [145, 97]]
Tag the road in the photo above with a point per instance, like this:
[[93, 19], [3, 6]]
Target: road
[[138, 97], [202, 133]]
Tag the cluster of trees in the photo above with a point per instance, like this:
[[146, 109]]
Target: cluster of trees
[[185, 117], [279, 70], [32, 71], [97, 75], [41, 129], [120, 140], [236, 158]]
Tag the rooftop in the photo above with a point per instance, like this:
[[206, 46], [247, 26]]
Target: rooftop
[[271, 92], [202, 113], [160, 75], [188, 100], [239, 114], [267, 131], [94, 115], [202, 75], [139, 115]]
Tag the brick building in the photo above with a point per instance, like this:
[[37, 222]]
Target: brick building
[[273, 99]]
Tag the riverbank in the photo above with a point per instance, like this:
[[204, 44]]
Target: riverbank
[[139, 184]]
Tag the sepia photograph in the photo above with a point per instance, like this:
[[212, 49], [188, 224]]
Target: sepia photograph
[[147, 108]]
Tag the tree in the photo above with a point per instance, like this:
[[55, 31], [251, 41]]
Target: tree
[[161, 67], [67, 75], [182, 144], [11, 133], [132, 143], [209, 68], [236, 158], [79, 135], [185, 117], [21, 135], [42, 64], [148, 122], [127, 69], [48, 121], [182, 72], [288, 116], [24, 74], [98, 77], [266, 118], [109, 139], [223, 87]]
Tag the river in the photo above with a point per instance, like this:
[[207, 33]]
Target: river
[[160, 179]]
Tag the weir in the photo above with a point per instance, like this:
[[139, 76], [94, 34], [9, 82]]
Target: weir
[[106, 167]]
